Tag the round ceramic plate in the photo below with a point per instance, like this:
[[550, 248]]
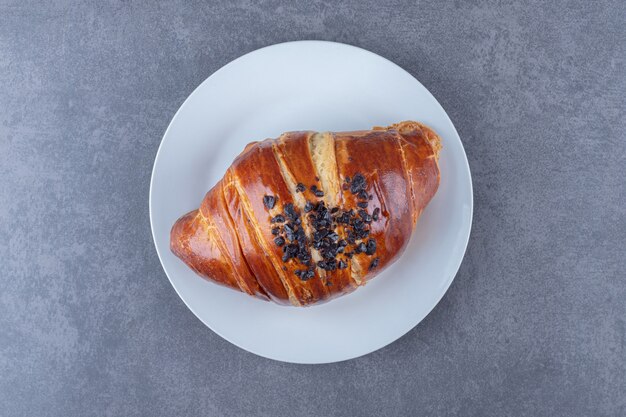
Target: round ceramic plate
[[323, 86]]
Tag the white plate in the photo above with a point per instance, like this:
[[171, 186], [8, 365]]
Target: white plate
[[318, 86]]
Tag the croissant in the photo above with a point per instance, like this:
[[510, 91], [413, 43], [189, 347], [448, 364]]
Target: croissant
[[311, 216]]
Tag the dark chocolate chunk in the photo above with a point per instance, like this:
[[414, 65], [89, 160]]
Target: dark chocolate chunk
[[374, 264], [366, 217], [269, 201], [290, 232], [327, 253], [362, 204], [304, 257], [361, 248], [320, 234], [290, 211], [279, 241], [363, 195], [348, 180], [275, 231], [291, 250], [342, 265], [371, 247], [300, 187], [318, 193], [329, 265], [358, 183], [308, 207], [334, 210], [375, 214], [304, 276], [279, 218]]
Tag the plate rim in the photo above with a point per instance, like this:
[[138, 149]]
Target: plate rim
[[225, 67]]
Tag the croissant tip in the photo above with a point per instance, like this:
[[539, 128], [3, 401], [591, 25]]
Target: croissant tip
[[409, 126], [179, 230]]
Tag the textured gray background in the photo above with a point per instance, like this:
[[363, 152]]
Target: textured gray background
[[534, 323]]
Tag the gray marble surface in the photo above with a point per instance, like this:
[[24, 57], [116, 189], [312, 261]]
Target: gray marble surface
[[534, 323]]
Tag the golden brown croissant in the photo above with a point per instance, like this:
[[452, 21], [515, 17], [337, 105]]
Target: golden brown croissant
[[310, 216]]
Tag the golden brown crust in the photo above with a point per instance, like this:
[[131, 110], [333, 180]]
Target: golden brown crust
[[230, 240]]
